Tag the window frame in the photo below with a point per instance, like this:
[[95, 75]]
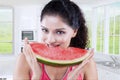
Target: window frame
[[12, 41]]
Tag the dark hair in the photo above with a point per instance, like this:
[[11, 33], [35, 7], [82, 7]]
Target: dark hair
[[72, 16]]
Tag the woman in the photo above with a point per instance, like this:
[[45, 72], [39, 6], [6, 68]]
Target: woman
[[62, 25]]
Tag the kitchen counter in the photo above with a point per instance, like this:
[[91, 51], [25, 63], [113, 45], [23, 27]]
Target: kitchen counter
[[108, 66]]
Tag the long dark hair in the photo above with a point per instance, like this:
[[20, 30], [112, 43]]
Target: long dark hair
[[72, 15]]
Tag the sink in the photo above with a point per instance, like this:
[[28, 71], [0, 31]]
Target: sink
[[109, 64]]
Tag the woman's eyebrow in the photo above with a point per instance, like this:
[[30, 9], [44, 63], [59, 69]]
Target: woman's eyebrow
[[56, 29], [42, 26], [61, 29]]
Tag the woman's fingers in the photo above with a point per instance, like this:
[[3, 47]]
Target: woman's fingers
[[25, 45], [26, 41], [75, 72], [91, 54], [27, 50], [88, 58], [32, 55]]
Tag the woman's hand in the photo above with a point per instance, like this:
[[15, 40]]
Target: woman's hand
[[73, 75], [31, 59]]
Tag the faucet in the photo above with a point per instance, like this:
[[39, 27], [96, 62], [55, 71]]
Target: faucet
[[116, 63]]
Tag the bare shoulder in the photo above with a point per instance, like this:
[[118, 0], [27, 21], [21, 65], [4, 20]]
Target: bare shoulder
[[22, 68], [91, 64], [90, 70]]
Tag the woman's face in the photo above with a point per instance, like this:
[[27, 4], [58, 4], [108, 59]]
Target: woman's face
[[55, 32]]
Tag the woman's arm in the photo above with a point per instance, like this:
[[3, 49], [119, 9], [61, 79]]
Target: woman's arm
[[21, 69], [90, 71]]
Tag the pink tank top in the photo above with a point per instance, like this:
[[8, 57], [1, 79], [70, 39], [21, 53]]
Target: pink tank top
[[44, 75]]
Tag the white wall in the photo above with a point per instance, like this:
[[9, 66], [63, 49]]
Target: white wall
[[25, 18]]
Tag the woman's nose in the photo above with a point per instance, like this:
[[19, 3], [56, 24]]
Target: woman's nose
[[50, 39]]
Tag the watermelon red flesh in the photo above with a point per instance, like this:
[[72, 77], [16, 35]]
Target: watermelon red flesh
[[54, 55]]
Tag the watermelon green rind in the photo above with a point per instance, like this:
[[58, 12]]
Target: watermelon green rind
[[62, 62]]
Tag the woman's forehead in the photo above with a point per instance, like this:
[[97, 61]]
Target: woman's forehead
[[53, 21], [57, 28]]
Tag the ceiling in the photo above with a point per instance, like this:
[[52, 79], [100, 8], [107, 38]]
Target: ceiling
[[42, 2]]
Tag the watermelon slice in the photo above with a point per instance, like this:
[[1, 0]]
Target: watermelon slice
[[57, 56]]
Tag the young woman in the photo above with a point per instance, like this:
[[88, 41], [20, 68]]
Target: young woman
[[62, 25]]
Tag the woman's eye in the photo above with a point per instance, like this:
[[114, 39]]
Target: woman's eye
[[60, 32], [45, 30]]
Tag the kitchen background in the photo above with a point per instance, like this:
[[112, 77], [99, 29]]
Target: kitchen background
[[20, 18]]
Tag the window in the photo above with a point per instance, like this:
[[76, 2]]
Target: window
[[114, 29], [6, 30], [104, 28], [108, 28], [100, 29]]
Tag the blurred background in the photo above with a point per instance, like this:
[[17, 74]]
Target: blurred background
[[21, 18]]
